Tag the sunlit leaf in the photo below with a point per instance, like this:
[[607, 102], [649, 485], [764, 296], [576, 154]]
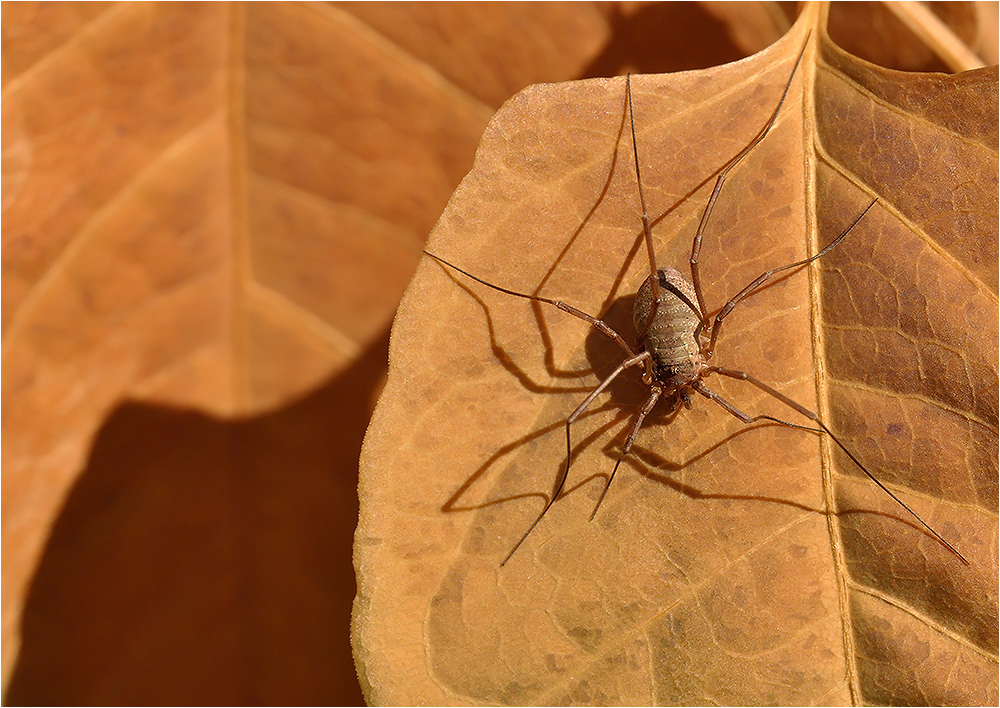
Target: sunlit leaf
[[729, 564]]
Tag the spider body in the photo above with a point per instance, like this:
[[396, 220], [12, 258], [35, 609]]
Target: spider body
[[671, 339]]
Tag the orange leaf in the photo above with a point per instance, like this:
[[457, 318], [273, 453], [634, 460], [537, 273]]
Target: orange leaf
[[729, 564]]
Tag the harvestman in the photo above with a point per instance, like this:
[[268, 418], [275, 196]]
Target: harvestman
[[677, 336]]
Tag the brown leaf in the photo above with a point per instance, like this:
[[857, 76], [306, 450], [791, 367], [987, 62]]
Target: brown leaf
[[729, 564], [216, 208]]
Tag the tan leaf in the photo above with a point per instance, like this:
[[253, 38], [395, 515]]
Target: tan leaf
[[729, 564], [216, 207]]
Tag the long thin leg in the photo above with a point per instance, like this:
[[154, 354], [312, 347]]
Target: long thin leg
[[646, 408], [713, 396], [634, 361], [600, 325], [743, 376], [696, 245], [646, 230], [765, 276]]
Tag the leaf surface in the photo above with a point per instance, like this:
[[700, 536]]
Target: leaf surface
[[729, 564]]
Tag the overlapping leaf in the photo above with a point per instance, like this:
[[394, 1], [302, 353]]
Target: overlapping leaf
[[728, 564]]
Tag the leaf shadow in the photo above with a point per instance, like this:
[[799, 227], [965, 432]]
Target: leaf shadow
[[200, 560], [697, 41]]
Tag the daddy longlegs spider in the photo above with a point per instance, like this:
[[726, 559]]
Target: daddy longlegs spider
[[676, 335]]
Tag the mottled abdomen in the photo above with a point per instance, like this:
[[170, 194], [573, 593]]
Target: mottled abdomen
[[670, 338]]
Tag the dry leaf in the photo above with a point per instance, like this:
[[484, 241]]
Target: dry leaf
[[729, 564], [216, 207]]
